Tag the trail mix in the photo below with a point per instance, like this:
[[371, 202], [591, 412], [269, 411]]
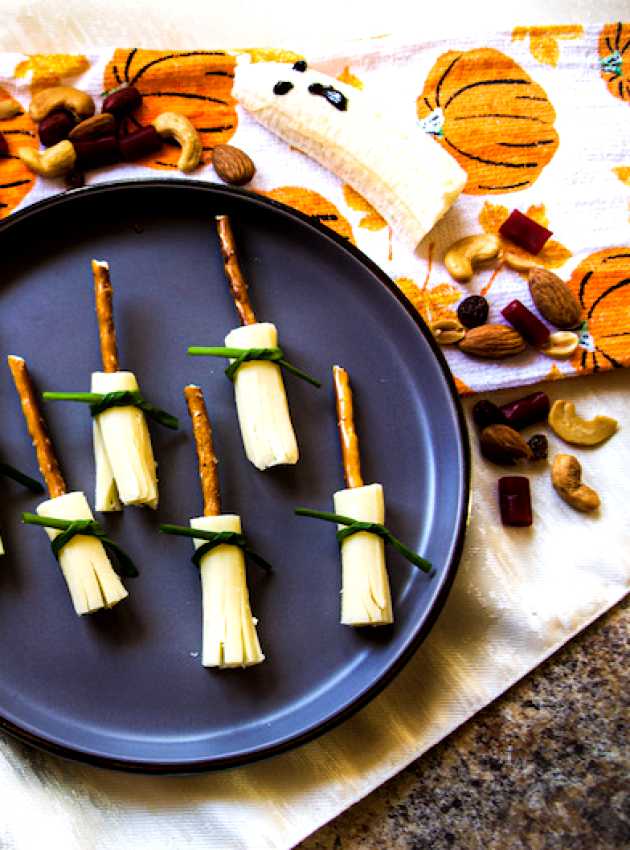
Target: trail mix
[[501, 443], [551, 296], [76, 138]]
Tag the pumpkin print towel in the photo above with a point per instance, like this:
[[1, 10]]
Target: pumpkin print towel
[[539, 118]]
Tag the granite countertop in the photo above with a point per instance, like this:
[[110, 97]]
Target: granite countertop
[[545, 766]]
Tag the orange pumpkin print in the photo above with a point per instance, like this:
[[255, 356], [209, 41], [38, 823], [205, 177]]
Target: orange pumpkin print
[[198, 84], [614, 59], [314, 205], [491, 116], [602, 285], [16, 181]]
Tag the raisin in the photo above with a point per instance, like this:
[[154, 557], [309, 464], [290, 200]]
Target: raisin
[[473, 311], [486, 413], [539, 446]]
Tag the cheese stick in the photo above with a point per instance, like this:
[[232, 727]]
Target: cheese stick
[[229, 629], [388, 159], [91, 579], [125, 466], [88, 572], [365, 594], [261, 401]]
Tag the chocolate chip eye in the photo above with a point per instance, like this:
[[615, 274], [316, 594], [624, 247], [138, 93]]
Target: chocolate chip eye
[[282, 87], [332, 95], [300, 65]]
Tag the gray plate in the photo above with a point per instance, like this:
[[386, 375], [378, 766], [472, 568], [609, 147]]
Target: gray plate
[[126, 688]]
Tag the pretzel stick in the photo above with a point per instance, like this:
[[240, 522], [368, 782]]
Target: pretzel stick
[[105, 315], [46, 458], [202, 431], [238, 287], [347, 434]]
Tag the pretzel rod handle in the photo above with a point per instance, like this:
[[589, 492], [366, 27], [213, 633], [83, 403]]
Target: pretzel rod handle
[[233, 273], [103, 294], [347, 434], [202, 432], [46, 458]]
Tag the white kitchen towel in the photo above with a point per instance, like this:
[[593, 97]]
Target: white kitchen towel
[[538, 117], [519, 595]]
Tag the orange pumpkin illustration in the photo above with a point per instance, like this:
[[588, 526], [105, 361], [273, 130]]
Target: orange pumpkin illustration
[[198, 84], [495, 120], [614, 59], [314, 205], [602, 284], [16, 181]]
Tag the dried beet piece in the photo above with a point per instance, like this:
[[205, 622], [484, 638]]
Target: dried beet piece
[[515, 501], [528, 325], [527, 410], [525, 232]]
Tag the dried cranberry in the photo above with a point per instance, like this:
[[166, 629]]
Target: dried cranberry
[[486, 413], [539, 446], [122, 101], [93, 153], [139, 143], [4, 148], [524, 232], [473, 311], [55, 127], [528, 325], [527, 410], [74, 180], [515, 501]]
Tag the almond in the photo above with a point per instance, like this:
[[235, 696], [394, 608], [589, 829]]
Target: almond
[[553, 298], [502, 444], [233, 165], [493, 342], [102, 124]]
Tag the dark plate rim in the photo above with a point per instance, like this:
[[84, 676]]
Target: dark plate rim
[[345, 711]]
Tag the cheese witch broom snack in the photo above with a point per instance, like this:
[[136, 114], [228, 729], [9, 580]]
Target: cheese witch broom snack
[[399, 169], [360, 514], [125, 466], [261, 400], [78, 543], [229, 629]]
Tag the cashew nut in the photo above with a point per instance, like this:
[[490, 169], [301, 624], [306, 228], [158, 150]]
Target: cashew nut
[[178, 127], [447, 331], [566, 476], [463, 256], [571, 428], [61, 97], [561, 344], [53, 162], [519, 262]]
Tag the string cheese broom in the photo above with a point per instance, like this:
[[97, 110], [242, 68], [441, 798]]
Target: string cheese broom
[[125, 466], [229, 629], [261, 401], [360, 514], [78, 542]]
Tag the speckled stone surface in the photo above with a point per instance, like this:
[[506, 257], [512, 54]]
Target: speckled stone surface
[[546, 766]]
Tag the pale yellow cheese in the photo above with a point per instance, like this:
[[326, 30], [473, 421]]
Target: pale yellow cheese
[[229, 629], [261, 401], [88, 572], [365, 593]]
